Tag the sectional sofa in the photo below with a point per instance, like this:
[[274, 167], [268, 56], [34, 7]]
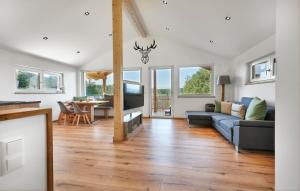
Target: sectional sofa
[[244, 134]]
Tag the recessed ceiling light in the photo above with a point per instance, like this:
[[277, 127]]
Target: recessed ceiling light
[[165, 2], [45, 38], [78, 52], [211, 41], [87, 13], [167, 28], [227, 18]]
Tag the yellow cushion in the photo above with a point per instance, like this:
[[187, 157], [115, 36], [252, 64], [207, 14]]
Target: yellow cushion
[[226, 107]]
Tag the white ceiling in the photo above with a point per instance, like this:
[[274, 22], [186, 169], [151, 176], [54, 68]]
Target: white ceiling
[[23, 23], [196, 22]]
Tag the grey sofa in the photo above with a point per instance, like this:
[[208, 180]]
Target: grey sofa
[[244, 134]]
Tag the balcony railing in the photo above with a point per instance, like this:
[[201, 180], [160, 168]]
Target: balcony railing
[[162, 102]]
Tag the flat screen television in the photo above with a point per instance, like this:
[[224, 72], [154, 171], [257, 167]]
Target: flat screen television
[[133, 96]]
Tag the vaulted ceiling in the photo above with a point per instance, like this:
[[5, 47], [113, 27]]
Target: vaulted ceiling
[[24, 23]]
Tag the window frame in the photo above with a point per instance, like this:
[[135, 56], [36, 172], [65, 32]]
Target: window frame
[[271, 66], [211, 95], [112, 93], [41, 90], [133, 69]]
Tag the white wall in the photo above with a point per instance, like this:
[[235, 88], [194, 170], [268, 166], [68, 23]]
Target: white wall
[[287, 131], [167, 53], [239, 73], [33, 175], [8, 63]]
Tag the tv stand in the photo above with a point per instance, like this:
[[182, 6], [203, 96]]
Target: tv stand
[[132, 121]]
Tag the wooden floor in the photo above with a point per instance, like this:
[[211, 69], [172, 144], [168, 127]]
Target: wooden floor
[[164, 155]]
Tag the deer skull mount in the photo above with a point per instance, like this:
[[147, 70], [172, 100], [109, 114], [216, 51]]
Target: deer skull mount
[[145, 52]]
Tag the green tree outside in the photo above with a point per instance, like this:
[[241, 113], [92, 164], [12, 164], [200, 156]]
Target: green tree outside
[[198, 83], [26, 80], [92, 89]]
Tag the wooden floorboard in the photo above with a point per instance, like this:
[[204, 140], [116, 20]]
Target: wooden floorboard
[[164, 155]]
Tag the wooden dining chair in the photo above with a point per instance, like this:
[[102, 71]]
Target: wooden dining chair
[[80, 114], [65, 113]]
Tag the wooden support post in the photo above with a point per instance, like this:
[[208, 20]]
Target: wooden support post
[[117, 70], [154, 90]]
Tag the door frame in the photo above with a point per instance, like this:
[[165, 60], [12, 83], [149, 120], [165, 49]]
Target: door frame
[[150, 90]]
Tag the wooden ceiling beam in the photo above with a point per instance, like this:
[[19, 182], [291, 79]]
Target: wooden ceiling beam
[[135, 17]]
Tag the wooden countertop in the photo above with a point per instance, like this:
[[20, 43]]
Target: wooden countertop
[[17, 102], [91, 102], [23, 112]]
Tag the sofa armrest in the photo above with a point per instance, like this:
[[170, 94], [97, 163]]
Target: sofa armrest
[[254, 123], [262, 138]]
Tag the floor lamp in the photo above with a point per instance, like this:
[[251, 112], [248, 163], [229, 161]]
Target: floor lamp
[[222, 80]]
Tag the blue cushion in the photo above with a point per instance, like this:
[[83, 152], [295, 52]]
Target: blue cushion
[[246, 101], [270, 116], [217, 118], [227, 124]]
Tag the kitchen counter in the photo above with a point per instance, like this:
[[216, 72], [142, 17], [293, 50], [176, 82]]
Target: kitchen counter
[[5, 105], [32, 127]]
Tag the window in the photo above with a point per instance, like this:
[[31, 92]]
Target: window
[[132, 75], [195, 81], [263, 69], [38, 81], [94, 87], [28, 80], [52, 81], [110, 84], [94, 83]]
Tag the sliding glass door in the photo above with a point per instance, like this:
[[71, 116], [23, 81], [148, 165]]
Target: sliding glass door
[[161, 88]]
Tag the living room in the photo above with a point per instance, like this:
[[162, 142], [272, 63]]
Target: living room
[[202, 94]]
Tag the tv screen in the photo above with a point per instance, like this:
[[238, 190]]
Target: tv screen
[[133, 96]]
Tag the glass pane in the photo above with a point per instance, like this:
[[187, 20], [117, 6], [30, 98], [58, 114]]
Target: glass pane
[[161, 89], [28, 80], [93, 87], [132, 75], [259, 71], [50, 81], [195, 81], [110, 84]]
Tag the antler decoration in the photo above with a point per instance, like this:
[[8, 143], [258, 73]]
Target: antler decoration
[[145, 52]]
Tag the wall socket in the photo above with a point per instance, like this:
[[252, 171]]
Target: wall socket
[[11, 155]]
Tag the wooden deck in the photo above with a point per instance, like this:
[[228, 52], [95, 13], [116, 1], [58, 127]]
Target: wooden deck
[[165, 155]]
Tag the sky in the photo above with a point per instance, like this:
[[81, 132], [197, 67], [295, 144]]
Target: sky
[[163, 78]]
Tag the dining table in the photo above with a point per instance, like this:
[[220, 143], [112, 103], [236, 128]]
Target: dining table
[[90, 106]]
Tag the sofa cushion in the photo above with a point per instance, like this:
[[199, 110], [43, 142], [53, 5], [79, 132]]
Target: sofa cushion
[[257, 110], [217, 118], [246, 101], [227, 124], [238, 110], [226, 107], [217, 106], [270, 116]]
